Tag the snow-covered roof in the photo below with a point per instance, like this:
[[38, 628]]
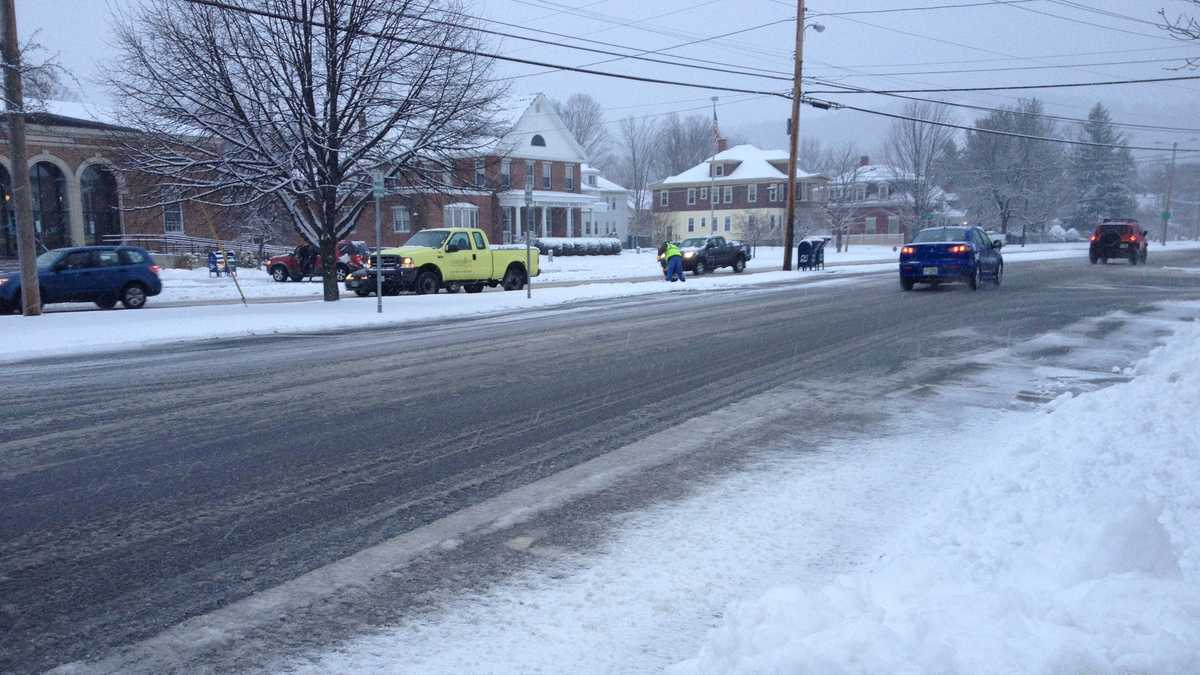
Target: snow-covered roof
[[875, 173], [602, 184], [509, 109], [753, 164]]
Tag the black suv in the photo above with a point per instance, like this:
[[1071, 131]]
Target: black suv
[[1118, 239]]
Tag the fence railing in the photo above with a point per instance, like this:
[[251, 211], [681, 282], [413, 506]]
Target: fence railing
[[178, 244]]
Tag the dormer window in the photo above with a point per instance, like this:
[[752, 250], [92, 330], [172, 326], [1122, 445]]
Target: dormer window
[[538, 141], [718, 169], [592, 180]]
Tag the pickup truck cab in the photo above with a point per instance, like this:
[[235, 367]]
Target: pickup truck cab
[[447, 258], [705, 254]]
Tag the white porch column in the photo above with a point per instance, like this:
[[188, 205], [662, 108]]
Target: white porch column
[[520, 220], [545, 221], [570, 222]]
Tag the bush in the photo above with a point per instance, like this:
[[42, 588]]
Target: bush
[[186, 261], [247, 260]]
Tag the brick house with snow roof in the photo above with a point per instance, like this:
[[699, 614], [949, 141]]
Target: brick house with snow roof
[[872, 201], [486, 189], [739, 193]]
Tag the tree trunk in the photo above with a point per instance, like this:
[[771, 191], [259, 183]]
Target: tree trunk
[[329, 268]]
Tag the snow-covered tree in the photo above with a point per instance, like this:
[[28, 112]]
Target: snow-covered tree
[[843, 167], [637, 157], [1009, 179], [299, 101], [1102, 179]]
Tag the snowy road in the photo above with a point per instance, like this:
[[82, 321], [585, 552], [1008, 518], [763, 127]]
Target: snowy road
[[231, 468]]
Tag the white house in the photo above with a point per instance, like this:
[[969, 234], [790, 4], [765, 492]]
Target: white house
[[616, 217]]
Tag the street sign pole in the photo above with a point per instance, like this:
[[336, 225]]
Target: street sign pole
[[528, 226], [377, 189]]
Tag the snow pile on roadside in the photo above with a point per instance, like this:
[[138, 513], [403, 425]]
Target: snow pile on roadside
[[1074, 549]]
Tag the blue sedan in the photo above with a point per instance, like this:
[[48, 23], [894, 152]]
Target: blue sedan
[[104, 275], [940, 255]]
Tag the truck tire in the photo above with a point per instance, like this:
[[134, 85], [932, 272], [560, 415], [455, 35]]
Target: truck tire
[[514, 279], [739, 265], [427, 283], [700, 268], [342, 272], [279, 273]]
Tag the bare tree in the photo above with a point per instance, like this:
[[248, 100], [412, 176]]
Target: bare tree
[[809, 153], [684, 143], [843, 166], [584, 117], [41, 75], [1183, 27], [912, 148], [300, 102], [637, 141]]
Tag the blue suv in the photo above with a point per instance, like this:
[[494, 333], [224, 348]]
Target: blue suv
[[100, 274]]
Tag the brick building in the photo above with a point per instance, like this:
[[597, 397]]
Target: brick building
[[487, 189], [873, 200], [741, 193], [78, 195]]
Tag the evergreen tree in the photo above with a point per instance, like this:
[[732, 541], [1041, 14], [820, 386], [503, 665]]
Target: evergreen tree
[[1103, 178]]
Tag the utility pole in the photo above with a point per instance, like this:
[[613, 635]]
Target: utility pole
[[1170, 186], [789, 232], [31, 296]]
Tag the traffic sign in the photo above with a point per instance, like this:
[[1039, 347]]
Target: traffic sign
[[377, 186]]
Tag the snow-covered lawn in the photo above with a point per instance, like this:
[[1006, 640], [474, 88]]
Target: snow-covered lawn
[[64, 333], [196, 285], [1062, 540]]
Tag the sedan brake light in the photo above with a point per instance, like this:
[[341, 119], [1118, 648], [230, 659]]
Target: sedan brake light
[[155, 269], [907, 250], [960, 249]]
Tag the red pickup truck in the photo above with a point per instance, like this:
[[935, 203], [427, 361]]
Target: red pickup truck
[[305, 261]]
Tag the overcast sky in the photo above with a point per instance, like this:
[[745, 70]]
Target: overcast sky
[[863, 50]]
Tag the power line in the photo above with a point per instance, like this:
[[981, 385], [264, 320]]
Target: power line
[[1106, 52], [1090, 23], [1105, 12], [994, 132], [219, 4], [1054, 66], [984, 108], [896, 10], [1063, 85]]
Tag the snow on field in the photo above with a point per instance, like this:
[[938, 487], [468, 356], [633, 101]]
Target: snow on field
[[60, 333], [1074, 548], [1065, 540], [196, 285]]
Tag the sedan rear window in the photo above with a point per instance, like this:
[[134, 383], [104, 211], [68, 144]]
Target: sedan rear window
[[935, 234]]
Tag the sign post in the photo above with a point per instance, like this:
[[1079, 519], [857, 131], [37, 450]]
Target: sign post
[[377, 190], [528, 229]]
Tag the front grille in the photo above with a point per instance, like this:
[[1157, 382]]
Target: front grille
[[387, 261]]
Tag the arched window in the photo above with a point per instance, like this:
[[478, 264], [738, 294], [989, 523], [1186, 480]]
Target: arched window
[[538, 141], [50, 217], [98, 187], [8, 220]]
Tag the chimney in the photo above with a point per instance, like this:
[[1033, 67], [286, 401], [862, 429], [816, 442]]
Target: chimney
[[722, 144], [864, 160]]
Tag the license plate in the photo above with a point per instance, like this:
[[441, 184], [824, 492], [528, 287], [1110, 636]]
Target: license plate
[[1124, 245], [929, 271]]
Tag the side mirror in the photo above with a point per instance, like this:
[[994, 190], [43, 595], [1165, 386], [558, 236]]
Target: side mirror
[[451, 248], [997, 244]]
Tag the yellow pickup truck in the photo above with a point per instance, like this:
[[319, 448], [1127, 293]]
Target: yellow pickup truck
[[446, 258]]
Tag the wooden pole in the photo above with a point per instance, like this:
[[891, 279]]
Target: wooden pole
[[31, 296], [789, 232]]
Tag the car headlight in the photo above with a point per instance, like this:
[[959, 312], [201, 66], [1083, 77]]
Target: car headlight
[[690, 254], [406, 263], [3, 281]]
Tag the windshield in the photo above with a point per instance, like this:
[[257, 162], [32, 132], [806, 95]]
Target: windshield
[[934, 234], [45, 260], [428, 238], [694, 242]]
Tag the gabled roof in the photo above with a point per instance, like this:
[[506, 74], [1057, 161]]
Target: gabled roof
[[602, 184], [752, 164], [875, 173], [520, 118]]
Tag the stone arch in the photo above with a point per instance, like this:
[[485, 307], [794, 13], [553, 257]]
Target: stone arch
[[73, 212], [100, 189]]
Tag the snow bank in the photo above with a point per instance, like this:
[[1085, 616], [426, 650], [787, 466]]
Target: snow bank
[[1074, 549]]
